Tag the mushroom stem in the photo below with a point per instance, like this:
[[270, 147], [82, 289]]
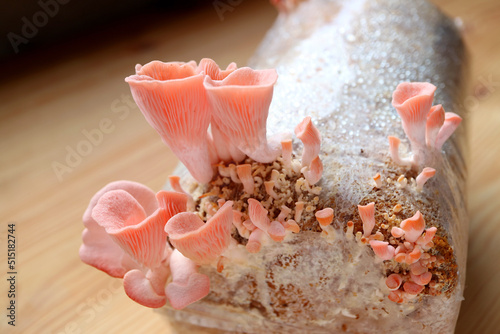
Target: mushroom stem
[[424, 176], [311, 138], [245, 174], [286, 153], [299, 207], [367, 214], [314, 172], [394, 152]]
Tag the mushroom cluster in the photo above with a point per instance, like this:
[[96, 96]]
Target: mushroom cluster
[[426, 126], [409, 247], [181, 100], [214, 121], [208, 117]]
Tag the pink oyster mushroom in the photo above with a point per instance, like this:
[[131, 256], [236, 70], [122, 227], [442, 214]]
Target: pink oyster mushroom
[[173, 100], [187, 286], [426, 126], [240, 106], [141, 237], [222, 146], [367, 214], [311, 138], [98, 249], [125, 238], [210, 68], [201, 242]]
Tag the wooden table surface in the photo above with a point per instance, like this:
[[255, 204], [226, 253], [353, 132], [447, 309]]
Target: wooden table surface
[[45, 112]]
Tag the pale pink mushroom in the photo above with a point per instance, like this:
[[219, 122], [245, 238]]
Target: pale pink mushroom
[[451, 122], [258, 215], [286, 153], [269, 185], [413, 256], [172, 98], [396, 296], [242, 230], [175, 183], [240, 106], [249, 225], [314, 171], [285, 211], [427, 237], [394, 143], [255, 240], [299, 207], [400, 257], [210, 68], [201, 242], [98, 249], [394, 281], [125, 220], [233, 174], [422, 279], [412, 288], [123, 211], [417, 268], [435, 120], [397, 232], [367, 214], [325, 216], [172, 202], [147, 290], [245, 175], [176, 186], [382, 249], [413, 227], [187, 286], [291, 225], [424, 176], [276, 231], [311, 138], [413, 101], [224, 147]]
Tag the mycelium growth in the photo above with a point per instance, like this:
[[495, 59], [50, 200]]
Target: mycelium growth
[[258, 203]]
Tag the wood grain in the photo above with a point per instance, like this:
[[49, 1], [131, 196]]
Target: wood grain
[[44, 113]]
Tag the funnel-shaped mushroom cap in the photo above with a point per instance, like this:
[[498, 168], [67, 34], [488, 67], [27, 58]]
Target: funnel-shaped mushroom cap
[[382, 249], [139, 288], [367, 214], [98, 248], [187, 286], [172, 98], [413, 101], [310, 137], [451, 122], [435, 121], [124, 219], [413, 227], [201, 242], [240, 106], [210, 68]]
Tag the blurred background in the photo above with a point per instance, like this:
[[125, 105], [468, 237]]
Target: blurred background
[[63, 68]]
